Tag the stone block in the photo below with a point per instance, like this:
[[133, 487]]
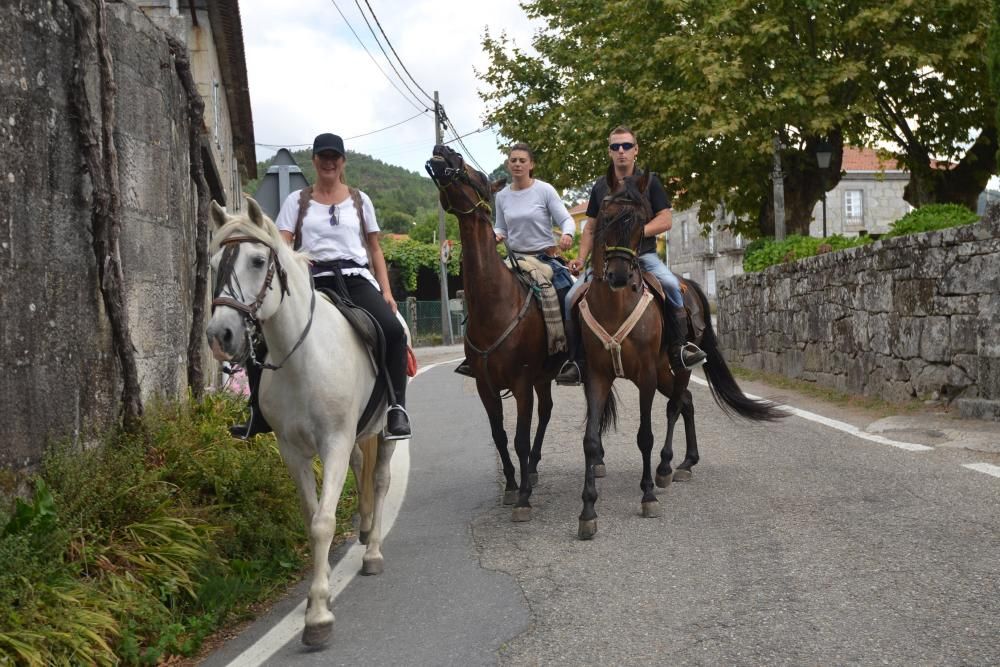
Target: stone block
[[963, 334], [979, 408], [935, 339], [978, 275], [912, 297]]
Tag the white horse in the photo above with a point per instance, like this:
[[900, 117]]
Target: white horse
[[319, 379]]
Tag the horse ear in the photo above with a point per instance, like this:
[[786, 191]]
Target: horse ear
[[611, 178], [256, 214], [644, 181], [219, 216], [498, 185]]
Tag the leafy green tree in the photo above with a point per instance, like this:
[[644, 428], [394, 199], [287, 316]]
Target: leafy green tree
[[708, 84], [397, 222], [426, 228]]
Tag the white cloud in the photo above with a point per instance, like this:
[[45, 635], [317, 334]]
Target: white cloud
[[308, 74]]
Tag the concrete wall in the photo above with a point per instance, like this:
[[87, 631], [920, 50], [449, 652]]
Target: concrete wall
[[914, 316], [58, 376]]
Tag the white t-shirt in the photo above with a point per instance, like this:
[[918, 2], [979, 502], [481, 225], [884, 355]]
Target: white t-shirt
[[323, 241]]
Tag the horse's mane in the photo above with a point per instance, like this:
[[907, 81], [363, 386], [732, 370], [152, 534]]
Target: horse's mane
[[267, 234], [631, 209]]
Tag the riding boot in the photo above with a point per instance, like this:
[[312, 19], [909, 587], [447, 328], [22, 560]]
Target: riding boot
[[464, 368], [683, 354], [571, 373], [256, 424], [397, 421]]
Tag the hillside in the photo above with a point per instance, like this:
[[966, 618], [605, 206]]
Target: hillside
[[402, 198]]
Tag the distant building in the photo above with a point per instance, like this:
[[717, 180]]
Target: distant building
[[213, 33]]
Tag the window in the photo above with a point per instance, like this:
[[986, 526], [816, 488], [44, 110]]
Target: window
[[738, 241], [853, 209], [711, 240], [710, 282], [684, 234]]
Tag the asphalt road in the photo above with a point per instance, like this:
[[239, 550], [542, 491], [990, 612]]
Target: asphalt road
[[800, 543]]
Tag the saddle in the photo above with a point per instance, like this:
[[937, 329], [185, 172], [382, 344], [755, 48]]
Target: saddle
[[374, 339], [537, 276]]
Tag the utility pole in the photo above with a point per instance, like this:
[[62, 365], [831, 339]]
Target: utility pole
[[779, 192], [446, 335]]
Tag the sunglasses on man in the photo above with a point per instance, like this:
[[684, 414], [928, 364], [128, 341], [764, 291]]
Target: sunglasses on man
[[625, 146]]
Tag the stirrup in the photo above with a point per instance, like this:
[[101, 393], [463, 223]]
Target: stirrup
[[464, 369], [396, 409], [565, 369], [692, 349]]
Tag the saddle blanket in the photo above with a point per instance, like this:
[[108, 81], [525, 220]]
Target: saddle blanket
[[548, 298]]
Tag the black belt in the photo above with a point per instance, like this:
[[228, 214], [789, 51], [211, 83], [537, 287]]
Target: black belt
[[335, 265]]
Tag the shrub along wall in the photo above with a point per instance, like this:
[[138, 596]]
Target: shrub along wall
[[913, 316]]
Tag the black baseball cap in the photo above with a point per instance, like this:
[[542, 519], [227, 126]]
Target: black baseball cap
[[328, 142]]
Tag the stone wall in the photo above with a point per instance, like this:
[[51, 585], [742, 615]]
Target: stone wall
[[58, 375], [913, 316]]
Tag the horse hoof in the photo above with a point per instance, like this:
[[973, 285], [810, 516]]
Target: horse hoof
[[682, 475], [587, 529], [315, 636], [533, 478], [663, 480], [521, 514], [510, 496], [363, 536], [373, 566], [651, 509], [600, 470]]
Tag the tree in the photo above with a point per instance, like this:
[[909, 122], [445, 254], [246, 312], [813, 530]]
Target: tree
[[426, 229], [714, 81]]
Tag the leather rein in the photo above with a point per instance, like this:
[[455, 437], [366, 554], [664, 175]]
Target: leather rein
[[249, 310]]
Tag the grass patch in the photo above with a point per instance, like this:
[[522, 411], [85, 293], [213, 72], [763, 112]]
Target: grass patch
[[877, 407], [140, 549]]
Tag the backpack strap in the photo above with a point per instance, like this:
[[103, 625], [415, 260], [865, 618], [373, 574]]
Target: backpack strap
[[304, 196], [360, 210]]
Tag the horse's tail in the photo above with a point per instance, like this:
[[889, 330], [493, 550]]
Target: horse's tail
[[725, 390], [609, 418]]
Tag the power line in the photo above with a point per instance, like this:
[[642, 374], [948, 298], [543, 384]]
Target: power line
[[411, 102], [379, 24], [356, 136], [387, 58], [458, 138]]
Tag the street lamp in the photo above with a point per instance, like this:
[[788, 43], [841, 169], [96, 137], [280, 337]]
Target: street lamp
[[823, 153]]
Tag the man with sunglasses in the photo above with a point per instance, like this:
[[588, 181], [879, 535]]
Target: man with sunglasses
[[623, 148]]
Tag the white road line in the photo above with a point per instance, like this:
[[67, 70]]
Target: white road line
[[987, 468], [347, 568], [839, 425]]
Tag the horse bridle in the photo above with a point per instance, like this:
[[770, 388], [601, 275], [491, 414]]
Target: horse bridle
[[249, 311], [628, 255], [459, 174]]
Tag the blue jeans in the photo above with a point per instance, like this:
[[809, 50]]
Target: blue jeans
[[561, 277], [651, 262]]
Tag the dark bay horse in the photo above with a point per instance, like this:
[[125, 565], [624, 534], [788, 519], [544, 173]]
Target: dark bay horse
[[623, 336], [505, 338]]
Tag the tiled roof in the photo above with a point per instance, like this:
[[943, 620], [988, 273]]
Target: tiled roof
[[866, 159]]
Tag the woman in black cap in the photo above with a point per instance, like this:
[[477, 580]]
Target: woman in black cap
[[335, 225]]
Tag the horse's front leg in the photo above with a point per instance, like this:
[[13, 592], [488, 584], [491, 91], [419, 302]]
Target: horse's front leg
[[372, 561], [522, 445], [691, 457], [597, 392], [300, 468], [664, 473], [644, 439], [335, 452], [494, 411], [543, 390]]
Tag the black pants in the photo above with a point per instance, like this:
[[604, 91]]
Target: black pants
[[364, 294]]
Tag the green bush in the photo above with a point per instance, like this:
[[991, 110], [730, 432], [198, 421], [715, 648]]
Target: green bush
[[766, 252], [139, 549], [931, 217]]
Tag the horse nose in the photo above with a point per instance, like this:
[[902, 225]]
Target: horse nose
[[221, 339]]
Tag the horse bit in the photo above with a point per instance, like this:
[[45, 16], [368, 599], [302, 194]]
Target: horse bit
[[249, 311]]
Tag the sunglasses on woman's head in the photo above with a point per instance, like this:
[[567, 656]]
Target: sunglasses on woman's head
[[624, 146], [333, 216]]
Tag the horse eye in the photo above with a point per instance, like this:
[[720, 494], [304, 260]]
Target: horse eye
[[258, 262]]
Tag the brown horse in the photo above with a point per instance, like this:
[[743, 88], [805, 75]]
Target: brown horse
[[623, 337], [505, 340]]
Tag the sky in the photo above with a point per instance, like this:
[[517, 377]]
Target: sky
[[309, 74]]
